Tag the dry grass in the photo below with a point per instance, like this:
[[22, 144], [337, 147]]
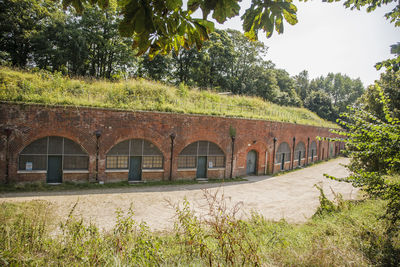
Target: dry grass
[[46, 88]]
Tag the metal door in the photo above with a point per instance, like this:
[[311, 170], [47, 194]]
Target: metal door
[[135, 168], [251, 162], [201, 167], [54, 170], [299, 158], [283, 162]]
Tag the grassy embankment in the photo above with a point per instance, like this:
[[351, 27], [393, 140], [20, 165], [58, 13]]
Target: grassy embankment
[[344, 234], [45, 88]]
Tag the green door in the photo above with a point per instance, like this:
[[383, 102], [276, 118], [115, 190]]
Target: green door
[[135, 169], [299, 158], [54, 170], [201, 167]]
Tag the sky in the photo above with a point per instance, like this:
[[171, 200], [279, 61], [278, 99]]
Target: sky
[[329, 38]]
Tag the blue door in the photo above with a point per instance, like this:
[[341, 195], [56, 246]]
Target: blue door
[[135, 169], [201, 167], [54, 170], [251, 162]]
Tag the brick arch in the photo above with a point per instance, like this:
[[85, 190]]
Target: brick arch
[[260, 147], [125, 139]]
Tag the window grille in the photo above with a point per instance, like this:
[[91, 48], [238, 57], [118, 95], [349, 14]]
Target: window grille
[[118, 156], [300, 148], [38, 162], [188, 157], [216, 161], [73, 155], [187, 162], [283, 151], [117, 162], [313, 148]]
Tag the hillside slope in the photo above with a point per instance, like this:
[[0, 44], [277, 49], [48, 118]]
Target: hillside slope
[[46, 88]]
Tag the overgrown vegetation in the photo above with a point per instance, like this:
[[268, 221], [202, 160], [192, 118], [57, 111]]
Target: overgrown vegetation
[[373, 143], [350, 234], [46, 88]]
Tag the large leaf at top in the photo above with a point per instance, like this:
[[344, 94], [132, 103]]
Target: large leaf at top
[[268, 16], [164, 25]]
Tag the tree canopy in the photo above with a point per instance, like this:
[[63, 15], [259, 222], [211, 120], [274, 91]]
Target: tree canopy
[[162, 26]]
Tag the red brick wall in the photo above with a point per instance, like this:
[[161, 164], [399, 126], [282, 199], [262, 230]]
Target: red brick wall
[[31, 122]]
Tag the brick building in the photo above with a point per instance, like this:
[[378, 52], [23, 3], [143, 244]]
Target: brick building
[[58, 143]]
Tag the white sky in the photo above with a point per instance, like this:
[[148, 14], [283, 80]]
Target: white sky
[[329, 38]]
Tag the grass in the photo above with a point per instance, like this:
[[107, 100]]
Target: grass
[[71, 186], [54, 89], [352, 234]]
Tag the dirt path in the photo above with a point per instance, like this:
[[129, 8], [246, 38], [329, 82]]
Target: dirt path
[[291, 196]]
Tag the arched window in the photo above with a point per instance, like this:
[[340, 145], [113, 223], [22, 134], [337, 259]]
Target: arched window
[[283, 153], [150, 156], [313, 150], [300, 151], [188, 158], [35, 155]]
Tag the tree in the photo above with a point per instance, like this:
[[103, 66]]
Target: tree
[[161, 26], [389, 84], [302, 84], [86, 44], [20, 20], [320, 103], [288, 95]]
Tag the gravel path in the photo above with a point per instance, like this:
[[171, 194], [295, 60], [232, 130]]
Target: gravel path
[[290, 196]]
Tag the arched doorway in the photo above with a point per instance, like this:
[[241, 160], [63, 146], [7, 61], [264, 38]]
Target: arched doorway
[[134, 156], [283, 155], [54, 155], [201, 156], [251, 162], [299, 153], [313, 150]]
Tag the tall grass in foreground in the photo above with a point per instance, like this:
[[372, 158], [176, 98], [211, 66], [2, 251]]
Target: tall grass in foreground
[[350, 234], [46, 88]]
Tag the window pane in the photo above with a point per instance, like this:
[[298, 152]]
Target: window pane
[[112, 162], [217, 161], [55, 145], [36, 147], [152, 162], [147, 162], [136, 147], [38, 162], [220, 162], [157, 162], [203, 148], [190, 149], [186, 162], [120, 149], [150, 149], [122, 162], [214, 149], [70, 147], [117, 162], [76, 162]]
